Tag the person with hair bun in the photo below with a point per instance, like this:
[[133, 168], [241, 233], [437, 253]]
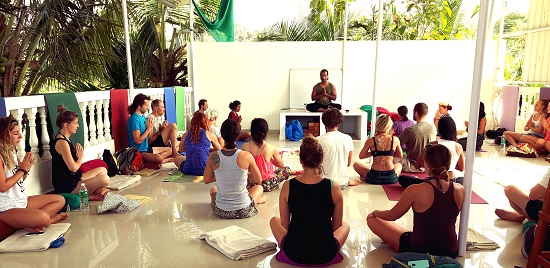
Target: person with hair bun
[[310, 229], [383, 147], [400, 125], [436, 204], [266, 156], [32, 213], [235, 107], [229, 167], [68, 167], [214, 129], [442, 111]]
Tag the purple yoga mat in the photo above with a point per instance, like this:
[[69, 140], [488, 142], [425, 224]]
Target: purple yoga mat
[[394, 192], [509, 107]]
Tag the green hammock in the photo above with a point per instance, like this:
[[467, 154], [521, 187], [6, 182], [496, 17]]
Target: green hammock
[[222, 29]]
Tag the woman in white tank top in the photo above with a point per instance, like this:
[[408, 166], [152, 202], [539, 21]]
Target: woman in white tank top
[[534, 128], [17, 210]]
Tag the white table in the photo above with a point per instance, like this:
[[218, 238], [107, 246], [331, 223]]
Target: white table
[[355, 121]]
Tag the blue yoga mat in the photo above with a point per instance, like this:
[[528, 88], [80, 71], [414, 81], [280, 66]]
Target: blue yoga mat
[[170, 104], [3, 111]]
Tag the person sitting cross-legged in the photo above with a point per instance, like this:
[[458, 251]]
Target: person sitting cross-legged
[[139, 129], [163, 134]]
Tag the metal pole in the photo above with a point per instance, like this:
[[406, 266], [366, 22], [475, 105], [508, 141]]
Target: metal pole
[[128, 50], [344, 50], [472, 130], [378, 39]]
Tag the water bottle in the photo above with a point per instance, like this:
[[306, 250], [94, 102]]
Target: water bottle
[[502, 143], [83, 193]]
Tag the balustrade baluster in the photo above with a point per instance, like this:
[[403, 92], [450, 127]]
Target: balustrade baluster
[[106, 121], [83, 105], [100, 135], [44, 138], [33, 137], [92, 127]]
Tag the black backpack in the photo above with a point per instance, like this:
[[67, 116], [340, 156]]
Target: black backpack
[[129, 160], [110, 160]]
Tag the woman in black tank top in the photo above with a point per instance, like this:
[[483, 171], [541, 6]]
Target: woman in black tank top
[[316, 232]]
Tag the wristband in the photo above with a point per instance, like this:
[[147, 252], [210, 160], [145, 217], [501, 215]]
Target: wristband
[[22, 170]]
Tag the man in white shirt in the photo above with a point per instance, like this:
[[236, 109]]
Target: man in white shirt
[[338, 149], [524, 205], [163, 134]]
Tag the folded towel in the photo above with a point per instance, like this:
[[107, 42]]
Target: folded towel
[[476, 241], [120, 182], [19, 242], [117, 203], [237, 243]]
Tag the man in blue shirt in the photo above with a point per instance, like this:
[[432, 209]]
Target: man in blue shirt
[[139, 128]]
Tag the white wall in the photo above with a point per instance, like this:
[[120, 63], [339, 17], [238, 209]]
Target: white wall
[[257, 74]]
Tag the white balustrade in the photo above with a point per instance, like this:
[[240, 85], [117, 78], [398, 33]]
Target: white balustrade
[[44, 138], [83, 106], [18, 114], [33, 138], [106, 121], [99, 118]]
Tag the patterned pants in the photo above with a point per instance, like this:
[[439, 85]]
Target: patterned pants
[[242, 213], [270, 184]]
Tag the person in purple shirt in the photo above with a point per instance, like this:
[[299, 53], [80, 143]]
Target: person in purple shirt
[[235, 107], [405, 122]]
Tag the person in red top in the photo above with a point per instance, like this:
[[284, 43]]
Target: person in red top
[[436, 204], [236, 107]]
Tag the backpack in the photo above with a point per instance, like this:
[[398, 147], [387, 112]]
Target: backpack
[[529, 237], [493, 134], [129, 160], [294, 130], [110, 160], [421, 260]]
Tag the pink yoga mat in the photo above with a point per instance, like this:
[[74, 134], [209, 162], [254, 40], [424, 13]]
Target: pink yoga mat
[[394, 192]]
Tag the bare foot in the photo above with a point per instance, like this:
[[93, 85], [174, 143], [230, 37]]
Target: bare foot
[[509, 215], [167, 160], [58, 217], [104, 192], [354, 182], [96, 197], [262, 200], [35, 229]]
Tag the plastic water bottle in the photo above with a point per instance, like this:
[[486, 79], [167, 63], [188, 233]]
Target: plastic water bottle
[[83, 193], [502, 143]]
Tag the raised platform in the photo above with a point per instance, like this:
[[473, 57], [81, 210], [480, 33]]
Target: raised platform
[[355, 121]]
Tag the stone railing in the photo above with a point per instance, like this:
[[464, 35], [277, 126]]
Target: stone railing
[[31, 112]]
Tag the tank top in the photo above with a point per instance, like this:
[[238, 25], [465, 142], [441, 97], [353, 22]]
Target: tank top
[[197, 154], [536, 124], [319, 89], [61, 174], [231, 182], [310, 239], [15, 197], [267, 169], [451, 145], [434, 229], [377, 152]]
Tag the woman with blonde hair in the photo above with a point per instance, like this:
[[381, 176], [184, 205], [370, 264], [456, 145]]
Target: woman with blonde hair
[[214, 129], [383, 147], [69, 170], [32, 213], [196, 145], [436, 204]]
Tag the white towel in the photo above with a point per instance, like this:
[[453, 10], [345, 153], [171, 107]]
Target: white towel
[[18, 242], [476, 241], [120, 182], [237, 243]]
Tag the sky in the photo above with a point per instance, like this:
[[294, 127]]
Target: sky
[[258, 14]]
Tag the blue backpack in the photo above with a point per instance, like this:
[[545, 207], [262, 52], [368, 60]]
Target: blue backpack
[[421, 260], [293, 130]]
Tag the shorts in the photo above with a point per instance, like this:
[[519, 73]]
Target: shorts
[[404, 245], [538, 135], [158, 142], [381, 177], [532, 209], [282, 257], [242, 213]]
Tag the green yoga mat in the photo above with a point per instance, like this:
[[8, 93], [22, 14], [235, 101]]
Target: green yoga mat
[[180, 108], [69, 101], [181, 178]]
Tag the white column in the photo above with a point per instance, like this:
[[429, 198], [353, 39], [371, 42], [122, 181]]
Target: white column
[[100, 136], [106, 121], [92, 128], [83, 105], [18, 114], [45, 138], [33, 138]]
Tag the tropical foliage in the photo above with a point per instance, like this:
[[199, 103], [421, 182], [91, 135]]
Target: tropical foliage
[[515, 45]]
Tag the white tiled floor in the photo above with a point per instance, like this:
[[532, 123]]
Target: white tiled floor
[[164, 233]]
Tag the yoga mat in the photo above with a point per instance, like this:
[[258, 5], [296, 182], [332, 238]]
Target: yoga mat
[[119, 117], [181, 178], [170, 104], [3, 111], [422, 175], [394, 192], [240, 144], [545, 92], [509, 107], [142, 199], [180, 108], [69, 101], [481, 151]]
